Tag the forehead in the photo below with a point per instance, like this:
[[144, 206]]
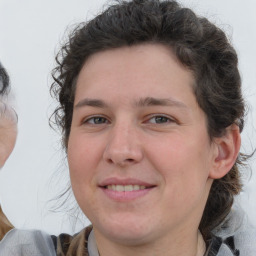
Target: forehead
[[154, 53], [143, 67]]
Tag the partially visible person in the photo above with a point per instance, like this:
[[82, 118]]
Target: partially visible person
[[8, 134]]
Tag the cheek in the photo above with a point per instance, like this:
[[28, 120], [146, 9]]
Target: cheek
[[184, 162], [83, 158]]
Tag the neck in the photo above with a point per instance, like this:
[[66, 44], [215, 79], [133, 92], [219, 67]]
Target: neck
[[186, 246], [201, 247]]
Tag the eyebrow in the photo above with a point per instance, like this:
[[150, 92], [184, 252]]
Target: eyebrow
[[91, 103], [143, 102], [150, 101]]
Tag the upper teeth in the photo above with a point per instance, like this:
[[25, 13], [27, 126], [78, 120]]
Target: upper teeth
[[125, 188]]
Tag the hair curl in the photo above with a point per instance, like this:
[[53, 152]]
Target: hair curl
[[197, 43], [4, 81]]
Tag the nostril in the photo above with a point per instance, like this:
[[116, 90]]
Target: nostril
[[110, 161], [120, 161]]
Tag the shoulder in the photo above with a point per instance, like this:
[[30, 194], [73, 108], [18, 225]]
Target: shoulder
[[242, 243], [23, 242], [237, 235], [245, 241], [36, 242], [65, 244]]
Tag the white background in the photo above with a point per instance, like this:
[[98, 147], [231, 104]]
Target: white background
[[36, 172]]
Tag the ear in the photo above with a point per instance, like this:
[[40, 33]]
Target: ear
[[226, 151]]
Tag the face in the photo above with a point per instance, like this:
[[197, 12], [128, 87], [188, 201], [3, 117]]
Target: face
[[8, 131], [139, 153]]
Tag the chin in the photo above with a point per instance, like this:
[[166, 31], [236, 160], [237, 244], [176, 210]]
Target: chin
[[128, 233], [129, 237]]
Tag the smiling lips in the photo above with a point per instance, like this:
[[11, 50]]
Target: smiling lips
[[125, 190]]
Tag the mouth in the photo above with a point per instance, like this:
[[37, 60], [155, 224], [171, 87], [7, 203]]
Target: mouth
[[123, 188]]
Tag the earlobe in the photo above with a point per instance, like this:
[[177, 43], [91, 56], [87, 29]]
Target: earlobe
[[226, 151]]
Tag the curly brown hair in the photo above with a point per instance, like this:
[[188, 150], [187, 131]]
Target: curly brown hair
[[197, 43]]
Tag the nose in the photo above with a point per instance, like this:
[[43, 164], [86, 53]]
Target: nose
[[123, 147]]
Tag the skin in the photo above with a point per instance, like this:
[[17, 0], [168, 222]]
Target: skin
[[8, 134], [8, 131], [136, 116]]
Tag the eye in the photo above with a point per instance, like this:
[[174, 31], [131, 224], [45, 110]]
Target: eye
[[96, 120], [160, 120]]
